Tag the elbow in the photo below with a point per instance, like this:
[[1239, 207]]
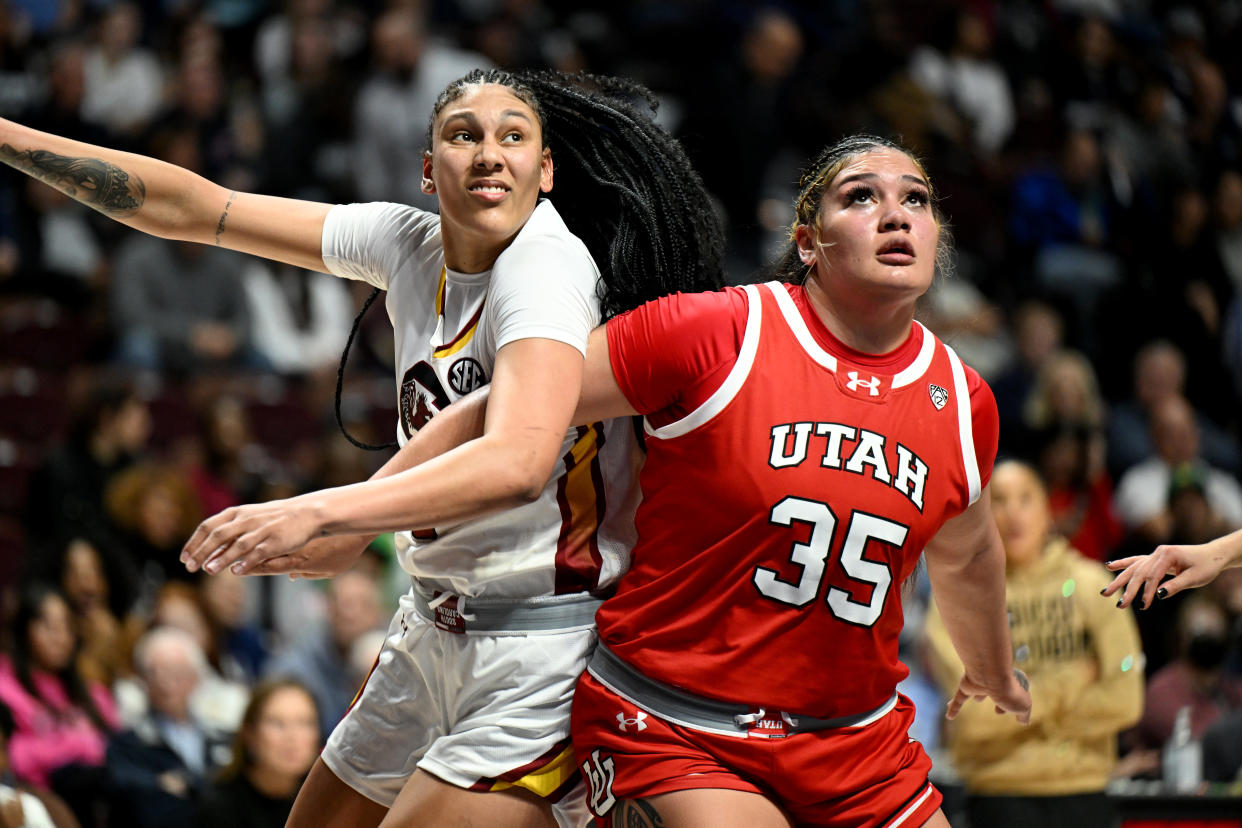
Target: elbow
[[527, 487], [522, 482]]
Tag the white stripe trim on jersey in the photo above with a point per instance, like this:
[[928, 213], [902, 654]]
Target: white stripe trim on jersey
[[728, 389], [914, 806], [880, 713], [965, 427], [921, 363], [798, 325]]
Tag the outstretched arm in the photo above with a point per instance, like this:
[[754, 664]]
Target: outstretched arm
[[505, 465], [168, 201], [966, 565], [1192, 566], [325, 557]]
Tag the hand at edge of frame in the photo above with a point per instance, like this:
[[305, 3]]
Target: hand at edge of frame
[[1014, 697]]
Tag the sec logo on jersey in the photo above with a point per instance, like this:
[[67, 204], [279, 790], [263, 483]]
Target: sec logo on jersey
[[465, 375]]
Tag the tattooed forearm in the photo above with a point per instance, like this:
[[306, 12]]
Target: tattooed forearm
[[637, 813], [224, 216], [96, 183]]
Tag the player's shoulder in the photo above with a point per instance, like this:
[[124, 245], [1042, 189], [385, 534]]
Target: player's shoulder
[[385, 219], [545, 237]]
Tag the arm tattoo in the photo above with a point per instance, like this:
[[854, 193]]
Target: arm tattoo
[[96, 183], [637, 813], [224, 216]]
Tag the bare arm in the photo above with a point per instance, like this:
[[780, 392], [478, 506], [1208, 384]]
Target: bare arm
[[506, 466], [168, 201], [966, 565], [1192, 566], [324, 557]]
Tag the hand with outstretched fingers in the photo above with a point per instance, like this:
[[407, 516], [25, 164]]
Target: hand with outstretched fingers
[[1190, 566], [242, 537], [321, 558], [1014, 697]]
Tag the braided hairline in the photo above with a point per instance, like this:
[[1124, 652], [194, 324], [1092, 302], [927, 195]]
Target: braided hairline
[[623, 185], [824, 171]]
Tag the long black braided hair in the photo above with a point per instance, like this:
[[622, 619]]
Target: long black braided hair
[[623, 185]]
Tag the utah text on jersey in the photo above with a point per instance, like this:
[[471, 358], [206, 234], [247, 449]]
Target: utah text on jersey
[[791, 446]]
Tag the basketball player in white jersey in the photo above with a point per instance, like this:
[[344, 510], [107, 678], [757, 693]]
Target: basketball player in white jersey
[[464, 718]]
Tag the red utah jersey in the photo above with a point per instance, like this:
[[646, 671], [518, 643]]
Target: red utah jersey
[[790, 487]]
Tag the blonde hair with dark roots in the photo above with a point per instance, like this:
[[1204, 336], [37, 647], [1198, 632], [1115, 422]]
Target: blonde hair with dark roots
[[820, 175]]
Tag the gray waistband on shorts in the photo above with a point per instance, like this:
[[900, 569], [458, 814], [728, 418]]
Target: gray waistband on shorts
[[689, 710], [497, 616]]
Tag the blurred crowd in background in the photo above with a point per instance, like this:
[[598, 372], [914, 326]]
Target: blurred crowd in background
[[1087, 152]]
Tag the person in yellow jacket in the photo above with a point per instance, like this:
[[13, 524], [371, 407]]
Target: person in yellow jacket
[[1085, 666]]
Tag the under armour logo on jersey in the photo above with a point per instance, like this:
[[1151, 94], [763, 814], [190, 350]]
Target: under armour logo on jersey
[[872, 385], [939, 396], [637, 722]]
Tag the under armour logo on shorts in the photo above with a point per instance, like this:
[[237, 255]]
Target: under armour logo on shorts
[[637, 722], [872, 385]]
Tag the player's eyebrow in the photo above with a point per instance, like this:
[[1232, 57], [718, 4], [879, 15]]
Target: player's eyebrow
[[870, 176]]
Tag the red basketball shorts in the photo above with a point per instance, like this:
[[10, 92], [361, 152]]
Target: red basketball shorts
[[873, 776]]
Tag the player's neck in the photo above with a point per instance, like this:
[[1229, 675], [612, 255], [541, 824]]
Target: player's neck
[[471, 252], [866, 325]]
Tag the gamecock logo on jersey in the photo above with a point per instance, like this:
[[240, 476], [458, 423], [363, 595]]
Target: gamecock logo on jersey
[[466, 375], [422, 396], [939, 396]]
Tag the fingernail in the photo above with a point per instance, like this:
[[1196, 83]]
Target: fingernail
[[1119, 602], [213, 567], [1162, 593], [239, 568], [1104, 590]]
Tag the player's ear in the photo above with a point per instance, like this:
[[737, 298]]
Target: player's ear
[[804, 240], [545, 171], [428, 185]]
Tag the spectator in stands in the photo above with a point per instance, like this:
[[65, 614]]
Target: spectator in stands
[[218, 702], [159, 766], [1142, 498], [1195, 678], [745, 97], [1159, 375], [1065, 416], [278, 741], [1063, 217], [1222, 749], [1039, 332], [124, 81], [22, 806], [155, 505], [394, 105], [966, 77], [299, 319], [243, 652], [62, 721], [84, 583], [1085, 668], [320, 659]]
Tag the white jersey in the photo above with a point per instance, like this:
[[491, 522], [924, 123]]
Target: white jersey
[[577, 536]]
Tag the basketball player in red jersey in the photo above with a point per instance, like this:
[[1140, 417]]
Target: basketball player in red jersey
[[808, 440]]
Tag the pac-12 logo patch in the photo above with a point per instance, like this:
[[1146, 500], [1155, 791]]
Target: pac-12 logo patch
[[465, 375], [939, 396]]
